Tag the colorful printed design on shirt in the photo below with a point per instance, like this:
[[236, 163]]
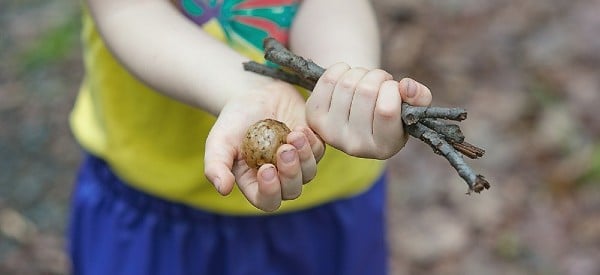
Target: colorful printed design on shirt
[[250, 20]]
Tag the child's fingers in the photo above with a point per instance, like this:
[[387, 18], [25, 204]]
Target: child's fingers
[[290, 174], [387, 125], [414, 93], [264, 192], [341, 100], [306, 156], [218, 163], [261, 188], [316, 144], [363, 103], [319, 102]]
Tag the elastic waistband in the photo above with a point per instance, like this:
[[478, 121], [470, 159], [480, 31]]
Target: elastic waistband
[[97, 174], [97, 177]]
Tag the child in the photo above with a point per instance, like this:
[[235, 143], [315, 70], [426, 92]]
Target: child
[[165, 96]]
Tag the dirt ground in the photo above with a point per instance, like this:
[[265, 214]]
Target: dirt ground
[[528, 72]]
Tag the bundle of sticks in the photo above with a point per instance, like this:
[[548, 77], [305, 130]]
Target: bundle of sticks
[[424, 123]]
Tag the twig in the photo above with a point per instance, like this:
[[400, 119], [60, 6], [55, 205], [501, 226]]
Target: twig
[[451, 132], [412, 114], [476, 182], [420, 122], [468, 149], [258, 68], [277, 53], [453, 135]]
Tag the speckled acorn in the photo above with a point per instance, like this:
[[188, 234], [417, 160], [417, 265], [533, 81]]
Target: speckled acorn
[[262, 140]]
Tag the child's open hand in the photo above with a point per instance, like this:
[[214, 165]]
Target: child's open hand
[[296, 161], [359, 111]]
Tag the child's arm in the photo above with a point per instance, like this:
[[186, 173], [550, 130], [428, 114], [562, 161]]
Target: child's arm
[[355, 108], [166, 51], [337, 30]]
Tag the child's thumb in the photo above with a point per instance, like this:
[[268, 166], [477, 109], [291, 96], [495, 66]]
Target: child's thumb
[[414, 93], [218, 162]]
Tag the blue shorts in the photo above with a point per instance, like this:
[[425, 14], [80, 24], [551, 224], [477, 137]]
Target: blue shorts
[[115, 230]]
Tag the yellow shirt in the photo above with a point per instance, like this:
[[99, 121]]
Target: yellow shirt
[[156, 144]]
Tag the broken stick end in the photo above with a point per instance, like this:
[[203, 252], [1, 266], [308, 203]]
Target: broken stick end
[[480, 184]]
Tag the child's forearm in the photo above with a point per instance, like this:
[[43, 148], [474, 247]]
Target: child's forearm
[[171, 54], [337, 31]]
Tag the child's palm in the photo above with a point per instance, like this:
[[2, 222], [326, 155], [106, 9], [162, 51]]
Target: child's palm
[[268, 186]]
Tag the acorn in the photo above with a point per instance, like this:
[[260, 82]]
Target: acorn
[[262, 140]]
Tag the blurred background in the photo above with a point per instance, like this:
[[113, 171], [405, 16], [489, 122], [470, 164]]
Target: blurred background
[[528, 72]]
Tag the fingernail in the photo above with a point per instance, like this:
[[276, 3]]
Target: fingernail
[[411, 89], [288, 156], [269, 174], [217, 183], [299, 143]]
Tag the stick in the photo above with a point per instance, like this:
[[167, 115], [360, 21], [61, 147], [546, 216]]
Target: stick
[[451, 132], [476, 182], [258, 68], [467, 149], [412, 114], [277, 53], [445, 139]]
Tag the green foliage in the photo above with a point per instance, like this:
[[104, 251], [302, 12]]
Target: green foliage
[[53, 46], [543, 92], [592, 175]]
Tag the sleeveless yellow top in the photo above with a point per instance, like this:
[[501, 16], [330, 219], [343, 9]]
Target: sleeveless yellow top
[[156, 144]]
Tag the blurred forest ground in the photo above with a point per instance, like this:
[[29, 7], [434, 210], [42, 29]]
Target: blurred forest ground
[[528, 72]]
